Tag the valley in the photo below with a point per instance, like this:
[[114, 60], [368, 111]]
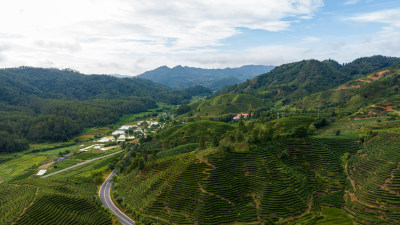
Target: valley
[[311, 142]]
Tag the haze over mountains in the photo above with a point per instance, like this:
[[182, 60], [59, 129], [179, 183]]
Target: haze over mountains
[[182, 76]]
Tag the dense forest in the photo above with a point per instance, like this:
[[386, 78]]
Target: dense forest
[[38, 104]]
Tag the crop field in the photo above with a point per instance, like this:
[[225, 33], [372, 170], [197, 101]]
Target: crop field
[[69, 197], [229, 103], [91, 133], [282, 179], [18, 166], [58, 150], [13, 200], [375, 180], [334, 216], [194, 129], [287, 124]]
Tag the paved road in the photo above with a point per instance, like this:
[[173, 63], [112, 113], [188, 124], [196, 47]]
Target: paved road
[[79, 164], [105, 198]]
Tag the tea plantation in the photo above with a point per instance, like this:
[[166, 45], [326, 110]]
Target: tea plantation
[[285, 178]]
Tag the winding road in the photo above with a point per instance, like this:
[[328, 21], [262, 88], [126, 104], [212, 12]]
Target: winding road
[[79, 164], [105, 197]]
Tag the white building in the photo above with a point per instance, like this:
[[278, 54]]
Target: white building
[[125, 127], [118, 132], [153, 123], [41, 172], [106, 139], [121, 138]]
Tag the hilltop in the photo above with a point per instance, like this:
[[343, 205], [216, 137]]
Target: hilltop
[[181, 77], [299, 79]]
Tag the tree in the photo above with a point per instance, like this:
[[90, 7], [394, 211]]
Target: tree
[[123, 145], [202, 142], [153, 156], [312, 129], [300, 132], [239, 136], [284, 154], [321, 122], [215, 141], [255, 135], [241, 126], [111, 166]]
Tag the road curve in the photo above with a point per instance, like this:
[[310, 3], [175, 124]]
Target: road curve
[[105, 197], [79, 164]]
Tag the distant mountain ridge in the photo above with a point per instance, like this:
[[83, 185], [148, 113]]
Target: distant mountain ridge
[[182, 76], [299, 79]]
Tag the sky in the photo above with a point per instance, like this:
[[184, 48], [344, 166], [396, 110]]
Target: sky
[[133, 36]]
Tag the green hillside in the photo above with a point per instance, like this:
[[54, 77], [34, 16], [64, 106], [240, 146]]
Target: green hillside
[[194, 129], [373, 95], [299, 79], [328, 157], [271, 181], [226, 104]]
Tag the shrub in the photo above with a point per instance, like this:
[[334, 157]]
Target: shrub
[[321, 122]]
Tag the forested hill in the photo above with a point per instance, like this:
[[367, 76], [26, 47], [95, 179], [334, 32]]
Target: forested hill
[[38, 104], [68, 84], [295, 80], [181, 77]]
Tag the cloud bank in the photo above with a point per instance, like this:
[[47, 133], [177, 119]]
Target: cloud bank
[[130, 37], [99, 36]]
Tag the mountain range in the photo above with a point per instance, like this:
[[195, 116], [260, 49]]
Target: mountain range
[[181, 77]]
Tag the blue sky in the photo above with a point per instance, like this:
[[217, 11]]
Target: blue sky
[[130, 37]]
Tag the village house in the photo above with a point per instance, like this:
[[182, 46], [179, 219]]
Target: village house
[[106, 139], [240, 115], [59, 159], [121, 138], [118, 132]]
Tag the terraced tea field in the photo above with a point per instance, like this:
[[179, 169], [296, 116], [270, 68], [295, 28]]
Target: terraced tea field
[[66, 198], [281, 180], [374, 196], [14, 199]]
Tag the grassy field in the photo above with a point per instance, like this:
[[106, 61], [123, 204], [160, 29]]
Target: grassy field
[[18, 166], [334, 216], [92, 133]]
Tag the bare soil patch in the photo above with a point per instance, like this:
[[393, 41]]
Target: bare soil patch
[[45, 166]]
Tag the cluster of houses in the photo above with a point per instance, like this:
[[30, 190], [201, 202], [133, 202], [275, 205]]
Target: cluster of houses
[[128, 132]]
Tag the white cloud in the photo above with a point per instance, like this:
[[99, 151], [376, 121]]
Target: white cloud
[[101, 36], [389, 16]]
